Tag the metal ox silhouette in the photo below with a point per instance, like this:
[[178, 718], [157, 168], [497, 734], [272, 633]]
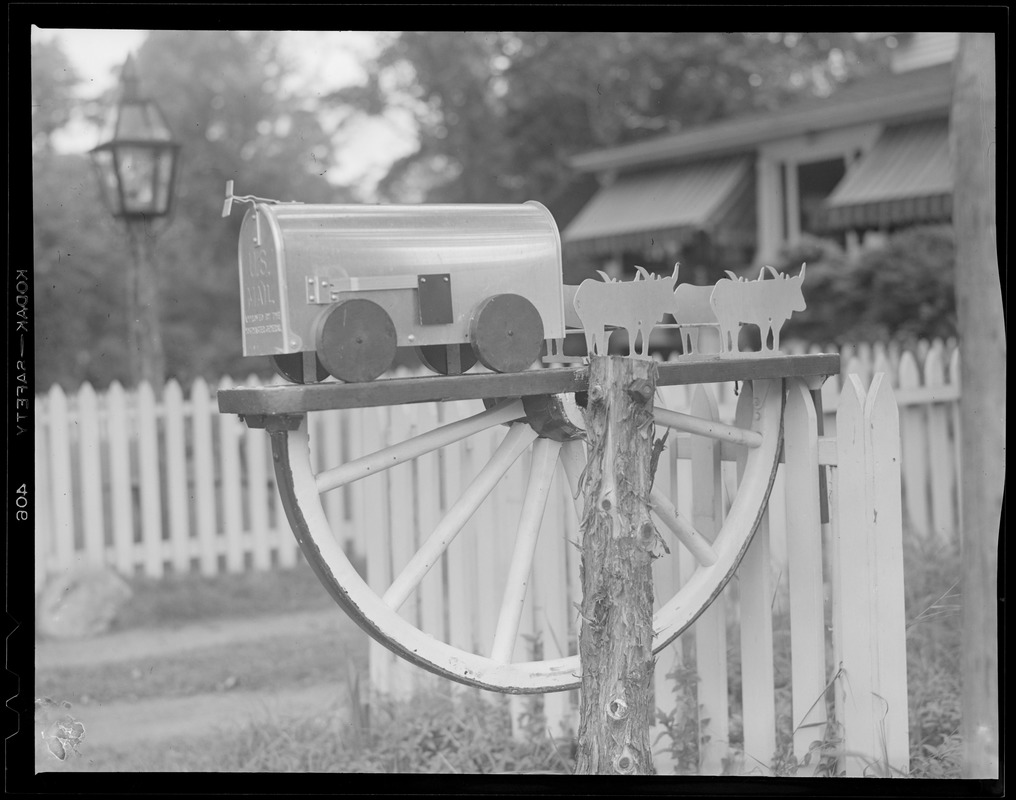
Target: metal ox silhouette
[[637, 306], [767, 304]]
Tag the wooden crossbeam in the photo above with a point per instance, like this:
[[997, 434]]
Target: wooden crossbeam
[[254, 403]]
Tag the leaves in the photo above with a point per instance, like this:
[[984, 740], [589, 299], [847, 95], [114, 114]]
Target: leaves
[[225, 97], [499, 114]]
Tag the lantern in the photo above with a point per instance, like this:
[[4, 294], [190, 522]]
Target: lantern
[[136, 162]]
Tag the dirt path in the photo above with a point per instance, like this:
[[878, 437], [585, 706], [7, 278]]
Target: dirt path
[[141, 643], [125, 724]]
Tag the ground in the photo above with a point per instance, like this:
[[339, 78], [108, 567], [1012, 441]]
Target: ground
[[144, 719]]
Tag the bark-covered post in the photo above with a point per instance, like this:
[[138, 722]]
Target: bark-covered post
[[982, 399], [618, 539]]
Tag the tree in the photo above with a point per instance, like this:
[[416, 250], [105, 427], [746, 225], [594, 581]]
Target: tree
[[498, 114], [53, 85], [225, 97], [982, 402]]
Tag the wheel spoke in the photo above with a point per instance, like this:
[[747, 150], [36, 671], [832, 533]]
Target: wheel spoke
[[412, 448], [519, 437], [541, 473], [696, 543], [705, 427]]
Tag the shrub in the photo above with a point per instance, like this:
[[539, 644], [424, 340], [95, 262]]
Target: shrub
[[903, 289]]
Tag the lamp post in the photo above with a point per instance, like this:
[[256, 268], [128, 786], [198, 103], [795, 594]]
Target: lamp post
[[136, 166]]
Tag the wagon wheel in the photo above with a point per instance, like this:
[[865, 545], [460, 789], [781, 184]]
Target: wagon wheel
[[301, 491], [356, 340]]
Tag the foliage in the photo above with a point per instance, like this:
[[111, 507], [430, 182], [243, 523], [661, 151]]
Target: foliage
[[903, 289], [53, 81], [681, 724], [498, 114], [432, 732], [934, 640], [225, 96]]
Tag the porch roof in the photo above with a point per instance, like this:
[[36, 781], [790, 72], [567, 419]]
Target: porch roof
[[888, 98], [905, 178], [644, 208]]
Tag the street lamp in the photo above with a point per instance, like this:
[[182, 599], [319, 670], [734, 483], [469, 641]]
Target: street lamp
[[136, 166]]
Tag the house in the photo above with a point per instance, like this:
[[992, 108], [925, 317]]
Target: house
[[869, 159]]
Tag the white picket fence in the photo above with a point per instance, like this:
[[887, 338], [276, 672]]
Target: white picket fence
[[848, 574], [175, 487]]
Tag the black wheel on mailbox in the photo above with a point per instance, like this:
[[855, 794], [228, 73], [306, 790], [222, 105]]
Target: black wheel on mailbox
[[356, 340], [435, 357], [506, 332], [290, 367]]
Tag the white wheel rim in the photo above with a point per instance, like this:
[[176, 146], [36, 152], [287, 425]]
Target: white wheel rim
[[383, 622]]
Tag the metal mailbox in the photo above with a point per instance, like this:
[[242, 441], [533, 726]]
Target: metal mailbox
[[429, 267]]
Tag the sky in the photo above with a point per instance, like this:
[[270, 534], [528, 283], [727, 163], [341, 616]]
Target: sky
[[328, 60]]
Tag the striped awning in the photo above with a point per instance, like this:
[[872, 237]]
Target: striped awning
[[906, 178], [641, 210]]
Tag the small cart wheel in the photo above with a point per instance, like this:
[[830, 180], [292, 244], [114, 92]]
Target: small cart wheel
[[290, 366], [377, 613], [356, 340], [435, 358], [506, 332]]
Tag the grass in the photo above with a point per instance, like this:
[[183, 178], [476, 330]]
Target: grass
[[291, 661], [459, 733], [177, 600], [467, 732]]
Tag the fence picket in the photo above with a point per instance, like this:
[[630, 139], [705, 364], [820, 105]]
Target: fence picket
[[550, 600], [149, 475], [176, 477], [328, 450], [118, 418], [804, 548], [756, 593], [945, 520], [376, 506], [666, 582], [889, 648], [428, 515], [459, 568], [402, 534], [853, 566], [255, 457], [62, 483], [42, 507], [914, 461], [711, 627], [204, 477], [90, 472], [230, 433]]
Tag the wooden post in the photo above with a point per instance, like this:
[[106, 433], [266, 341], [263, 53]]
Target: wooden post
[[618, 539], [982, 401]]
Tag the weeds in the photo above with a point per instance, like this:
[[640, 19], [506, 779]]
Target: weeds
[[436, 732]]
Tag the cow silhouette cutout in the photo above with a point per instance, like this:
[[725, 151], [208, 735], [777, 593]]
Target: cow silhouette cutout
[[636, 305], [767, 304]]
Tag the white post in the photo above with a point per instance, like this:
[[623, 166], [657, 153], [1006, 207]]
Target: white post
[[882, 451], [871, 688], [711, 627], [804, 556], [757, 669]]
